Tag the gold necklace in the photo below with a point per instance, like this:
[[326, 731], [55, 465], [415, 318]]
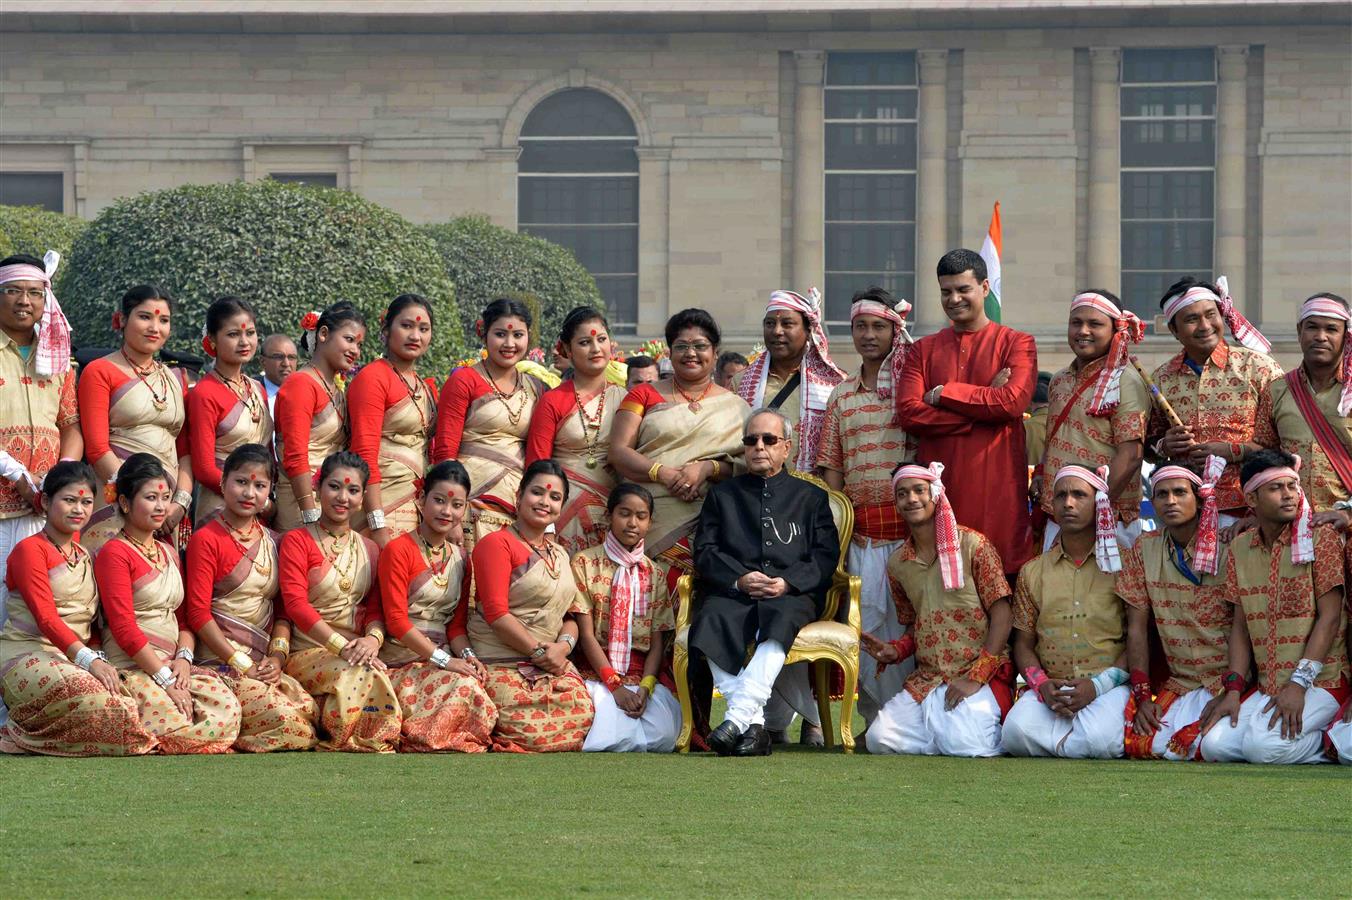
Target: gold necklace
[[153, 553], [436, 561], [246, 395], [544, 550], [76, 555], [245, 538], [415, 393], [154, 368], [693, 402], [513, 416], [582, 417], [345, 573]]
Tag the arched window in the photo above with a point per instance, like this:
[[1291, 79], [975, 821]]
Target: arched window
[[578, 186]]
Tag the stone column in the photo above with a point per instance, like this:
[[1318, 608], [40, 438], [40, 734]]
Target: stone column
[[500, 167], [1231, 190], [809, 211], [654, 244], [931, 219], [1105, 168]]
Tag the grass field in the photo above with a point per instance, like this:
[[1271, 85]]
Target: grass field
[[798, 823]]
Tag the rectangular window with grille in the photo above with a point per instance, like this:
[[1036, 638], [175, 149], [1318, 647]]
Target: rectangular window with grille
[[1168, 135], [870, 123], [44, 189]]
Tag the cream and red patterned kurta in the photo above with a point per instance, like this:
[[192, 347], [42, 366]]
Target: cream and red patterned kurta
[[594, 572], [34, 409], [1278, 601], [949, 626], [1091, 441], [1219, 405], [1079, 622], [859, 441], [1193, 620], [1280, 424]]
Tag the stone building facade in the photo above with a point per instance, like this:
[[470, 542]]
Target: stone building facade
[[768, 143]]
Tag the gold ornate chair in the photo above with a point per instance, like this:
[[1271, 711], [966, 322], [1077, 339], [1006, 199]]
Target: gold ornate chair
[[832, 638]]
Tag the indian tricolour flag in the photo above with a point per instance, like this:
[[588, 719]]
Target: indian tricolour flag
[[990, 253]]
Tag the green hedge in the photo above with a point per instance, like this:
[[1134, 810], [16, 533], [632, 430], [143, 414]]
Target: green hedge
[[286, 248], [34, 230], [486, 261]]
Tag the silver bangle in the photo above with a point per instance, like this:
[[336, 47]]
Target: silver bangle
[[468, 653], [85, 657], [1306, 671], [570, 641], [309, 516], [183, 499], [375, 519], [164, 677], [440, 658], [185, 654]]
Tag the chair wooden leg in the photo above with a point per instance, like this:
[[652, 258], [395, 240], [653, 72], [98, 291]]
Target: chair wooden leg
[[680, 664], [851, 668], [821, 680]]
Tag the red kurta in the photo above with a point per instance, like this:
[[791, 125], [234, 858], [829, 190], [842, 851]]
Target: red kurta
[[976, 431]]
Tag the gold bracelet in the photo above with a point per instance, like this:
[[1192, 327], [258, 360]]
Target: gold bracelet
[[713, 474], [336, 643], [648, 683], [280, 645], [241, 661], [652, 472], [378, 635]]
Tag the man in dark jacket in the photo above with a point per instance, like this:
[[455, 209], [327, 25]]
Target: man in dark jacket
[[765, 551]]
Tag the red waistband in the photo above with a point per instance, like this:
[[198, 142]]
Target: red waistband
[[879, 521]]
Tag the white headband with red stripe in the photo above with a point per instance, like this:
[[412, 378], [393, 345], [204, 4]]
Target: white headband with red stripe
[[1332, 309], [1106, 551], [890, 371], [1127, 329], [1240, 327], [947, 544], [1206, 544], [1302, 530]]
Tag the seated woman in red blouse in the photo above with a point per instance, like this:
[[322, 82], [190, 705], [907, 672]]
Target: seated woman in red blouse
[[518, 625], [392, 412], [232, 593], [571, 426], [64, 698], [311, 410], [187, 707], [226, 408], [331, 596], [424, 591]]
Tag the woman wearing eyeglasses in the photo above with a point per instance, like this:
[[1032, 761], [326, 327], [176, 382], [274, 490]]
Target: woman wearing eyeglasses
[[680, 435]]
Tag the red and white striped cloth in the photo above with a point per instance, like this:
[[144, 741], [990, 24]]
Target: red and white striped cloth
[[1302, 530], [53, 350], [1127, 329], [1206, 545], [631, 592], [1332, 309], [1243, 330], [1107, 553], [890, 372], [947, 545]]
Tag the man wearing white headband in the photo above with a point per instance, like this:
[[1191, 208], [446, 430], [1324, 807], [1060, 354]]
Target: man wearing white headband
[[1097, 411], [795, 375], [962, 395], [1305, 412], [950, 590], [860, 447], [1286, 581], [1070, 632], [1175, 579], [39, 420], [1214, 387]]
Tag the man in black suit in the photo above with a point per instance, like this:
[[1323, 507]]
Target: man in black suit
[[765, 551]]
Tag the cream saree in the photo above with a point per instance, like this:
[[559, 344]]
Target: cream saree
[[235, 430], [493, 451], [328, 435], [404, 439], [582, 523]]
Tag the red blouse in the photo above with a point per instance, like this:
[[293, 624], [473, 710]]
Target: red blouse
[[299, 400], [552, 410], [213, 554], [117, 567], [30, 563], [376, 388], [495, 557], [296, 557], [460, 390], [208, 403], [98, 381], [641, 397], [400, 562]]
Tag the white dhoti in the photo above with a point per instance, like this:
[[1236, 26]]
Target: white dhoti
[[1095, 732], [972, 728], [749, 690], [615, 731], [1253, 741], [1340, 734], [11, 532], [878, 617], [1183, 712]]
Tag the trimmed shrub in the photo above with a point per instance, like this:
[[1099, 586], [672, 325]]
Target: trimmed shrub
[[34, 230], [486, 261], [286, 248]]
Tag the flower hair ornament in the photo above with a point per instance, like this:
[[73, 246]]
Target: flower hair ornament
[[208, 347], [117, 322]]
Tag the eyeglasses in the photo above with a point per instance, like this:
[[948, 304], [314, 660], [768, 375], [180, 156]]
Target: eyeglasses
[[14, 293], [280, 357], [697, 346], [769, 440]]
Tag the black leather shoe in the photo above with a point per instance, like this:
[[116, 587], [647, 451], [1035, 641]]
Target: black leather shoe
[[724, 738], [811, 736], [756, 742], [778, 737]]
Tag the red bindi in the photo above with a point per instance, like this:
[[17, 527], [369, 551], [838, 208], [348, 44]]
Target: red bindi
[[593, 331], [347, 481], [417, 318], [81, 492], [162, 487]]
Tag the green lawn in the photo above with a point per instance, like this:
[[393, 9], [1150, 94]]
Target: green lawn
[[798, 823]]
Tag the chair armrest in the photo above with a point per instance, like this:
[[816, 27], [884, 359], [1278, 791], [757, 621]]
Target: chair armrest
[[685, 590]]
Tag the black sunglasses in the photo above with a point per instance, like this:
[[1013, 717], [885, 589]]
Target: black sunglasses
[[769, 440]]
